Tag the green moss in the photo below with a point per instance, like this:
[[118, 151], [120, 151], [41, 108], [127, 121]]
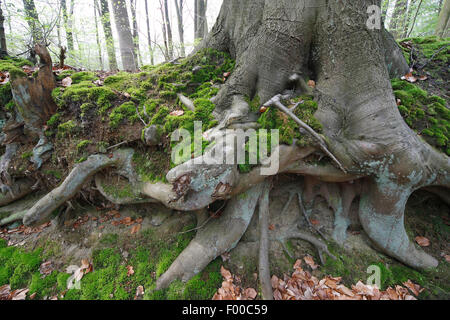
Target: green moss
[[288, 129], [54, 120], [425, 114], [109, 239], [85, 92], [126, 111], [120, 192], [151, 167], [83, 76], [26, 155], [66, 128], [43, 286], [83, 144]]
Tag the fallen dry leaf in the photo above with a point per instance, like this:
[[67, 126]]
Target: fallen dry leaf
[[46, 268], [310, 262], [225, 273], [177, 113], [422, 241], [447, 258], [311, 84], [135, 228], [130, 271]]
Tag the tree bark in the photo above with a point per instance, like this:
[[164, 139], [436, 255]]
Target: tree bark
[[33, 21], [125, 37], [200, 24], [397, 21], [179, 7], [350, 65], [168, 28], [137, 54], [106, 22], [3, 48], [149, 38], [97, 35], [443, 25]]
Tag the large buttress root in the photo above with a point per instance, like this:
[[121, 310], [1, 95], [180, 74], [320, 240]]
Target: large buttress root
[[382, 216], [217, 237], [73, 183]]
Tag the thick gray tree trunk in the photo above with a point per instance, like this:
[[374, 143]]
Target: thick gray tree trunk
[[329, 42], [125, 37]]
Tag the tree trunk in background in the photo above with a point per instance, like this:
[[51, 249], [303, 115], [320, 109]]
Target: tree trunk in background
[[97, 35], [200, 24], [164, 31], [125, 37], [168, 28], [384, 9], [137, 53], [396, 25], [179, 7], [33, 20], [408, 17], [106, 22], [67, 16], [149, 38], [443, 25], [3, 49]]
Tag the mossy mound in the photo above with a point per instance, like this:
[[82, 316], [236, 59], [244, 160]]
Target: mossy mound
[[14, 67], [107, 109], [427, 115], [430, 47]]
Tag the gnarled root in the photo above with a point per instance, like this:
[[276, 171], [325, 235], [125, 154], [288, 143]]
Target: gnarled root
[[18, 190], [217, 237], [73, 183], [381, 214]]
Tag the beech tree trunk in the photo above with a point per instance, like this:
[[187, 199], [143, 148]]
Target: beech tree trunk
[[443, 25], [200, 23], [106, 22], [271, 40], [149, 38], [125, 37], [398, 17], [97, 35], [3, 49], [33, 20], [137, 54], [179, 7]]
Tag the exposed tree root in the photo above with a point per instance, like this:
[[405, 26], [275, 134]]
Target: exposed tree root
[[216, 238], [73, 183], [263, 266], [19, 189]]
